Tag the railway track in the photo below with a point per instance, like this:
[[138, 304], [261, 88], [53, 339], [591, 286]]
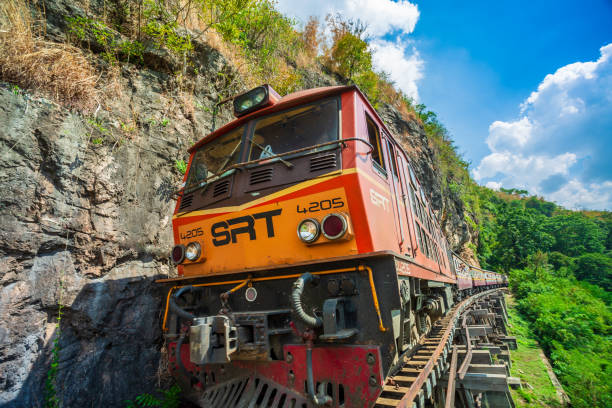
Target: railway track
[[418, 373]]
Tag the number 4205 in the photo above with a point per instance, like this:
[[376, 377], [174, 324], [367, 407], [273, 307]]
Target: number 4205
[[322, 205]]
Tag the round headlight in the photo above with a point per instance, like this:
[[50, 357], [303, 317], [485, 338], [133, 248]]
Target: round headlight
[[334, 226], [193, 251], [178, 254], [308, 230]]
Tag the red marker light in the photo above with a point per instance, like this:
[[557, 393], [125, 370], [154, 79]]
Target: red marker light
[[334, 226], [178, 254]]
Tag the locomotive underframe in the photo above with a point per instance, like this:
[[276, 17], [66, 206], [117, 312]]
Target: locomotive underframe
[[352, 353]]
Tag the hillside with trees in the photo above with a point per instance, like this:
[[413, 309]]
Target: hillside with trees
[[560, 268]]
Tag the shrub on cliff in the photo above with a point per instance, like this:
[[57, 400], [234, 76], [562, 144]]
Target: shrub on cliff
[[26, 59]]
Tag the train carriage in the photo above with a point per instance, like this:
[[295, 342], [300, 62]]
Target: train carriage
[[308, 256]]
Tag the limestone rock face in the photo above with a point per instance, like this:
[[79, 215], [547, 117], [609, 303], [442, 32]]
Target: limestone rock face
[[85, 220], [447, 206]]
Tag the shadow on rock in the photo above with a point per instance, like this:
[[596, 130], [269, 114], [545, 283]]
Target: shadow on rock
[[109, 347]]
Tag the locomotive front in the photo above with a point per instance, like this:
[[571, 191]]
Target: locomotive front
[[276, 303]]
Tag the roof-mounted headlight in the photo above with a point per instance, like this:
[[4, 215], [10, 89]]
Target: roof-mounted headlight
[[254, 99]]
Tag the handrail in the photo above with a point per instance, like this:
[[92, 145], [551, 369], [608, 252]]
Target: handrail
[[202, 183]]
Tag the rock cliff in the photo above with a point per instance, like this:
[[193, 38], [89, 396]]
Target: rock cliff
[[85, 221]]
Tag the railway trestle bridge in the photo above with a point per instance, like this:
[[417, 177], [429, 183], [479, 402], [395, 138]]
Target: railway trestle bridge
[[464, 362]]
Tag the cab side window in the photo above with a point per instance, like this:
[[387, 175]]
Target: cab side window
[[392, 159], [374, 139]]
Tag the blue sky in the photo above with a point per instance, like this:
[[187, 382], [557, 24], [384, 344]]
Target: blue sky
[[525, 87]]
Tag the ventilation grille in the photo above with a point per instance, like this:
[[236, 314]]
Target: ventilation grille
[[253, 393], [261, 176], [186, 201], [326, 161], [221, 188]]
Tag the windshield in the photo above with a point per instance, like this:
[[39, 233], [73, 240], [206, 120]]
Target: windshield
[[295, 129], [275, 134], [215, 156]]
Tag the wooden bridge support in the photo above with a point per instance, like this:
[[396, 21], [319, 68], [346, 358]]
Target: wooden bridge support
[[464, 361], [482, 340]]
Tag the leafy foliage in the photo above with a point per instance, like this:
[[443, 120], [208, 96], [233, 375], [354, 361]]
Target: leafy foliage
[[561, 273], [181, 166], [266, 36], [595, 268], [166, 399], [574, 327]]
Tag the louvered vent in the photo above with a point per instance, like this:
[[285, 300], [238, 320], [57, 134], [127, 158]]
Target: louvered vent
[[221, 188], [251, 392], [186, 201], [261, 176], [326, 161]]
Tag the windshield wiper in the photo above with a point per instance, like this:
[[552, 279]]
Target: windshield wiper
[[263, 149], [228, 158]]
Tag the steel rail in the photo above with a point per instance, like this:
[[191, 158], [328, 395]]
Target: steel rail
[[450, 390], [468, 355]]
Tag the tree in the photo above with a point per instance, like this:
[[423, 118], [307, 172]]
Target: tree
[[351, 56], [575, 234], [594, 268], [520, 233], [311, 37], [350, 53]]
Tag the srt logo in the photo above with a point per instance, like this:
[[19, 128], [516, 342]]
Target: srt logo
[[244, 225], [379, 200]]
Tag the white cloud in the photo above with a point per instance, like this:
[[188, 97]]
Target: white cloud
[[565, 77], [383, 18], [523, 171], [559, 146], [576, 195], [509, 135], [494, 185], [404, 70]]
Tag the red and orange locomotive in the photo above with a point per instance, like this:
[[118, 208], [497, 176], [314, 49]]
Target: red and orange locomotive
[[309, 259]]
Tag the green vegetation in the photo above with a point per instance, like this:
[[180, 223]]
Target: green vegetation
[[559, 265], [52, 400], [527, 364], [573, 327], [520, 227], [181, 166], [165, 399]]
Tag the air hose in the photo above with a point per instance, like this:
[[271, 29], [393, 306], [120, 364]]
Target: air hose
[[177, 356], [296, 302], [320, 398], [175, 308]]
